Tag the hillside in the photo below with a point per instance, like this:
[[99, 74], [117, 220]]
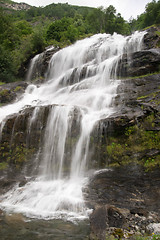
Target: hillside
[[7, 4], [28, 30]]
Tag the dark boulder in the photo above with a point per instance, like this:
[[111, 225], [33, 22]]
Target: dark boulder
[[37, 69], [104, 217]]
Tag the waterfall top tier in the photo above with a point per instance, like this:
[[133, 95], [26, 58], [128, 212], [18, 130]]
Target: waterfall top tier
[[80, 74]]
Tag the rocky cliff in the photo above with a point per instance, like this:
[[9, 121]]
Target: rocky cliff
[[125, 198], [14, 6]]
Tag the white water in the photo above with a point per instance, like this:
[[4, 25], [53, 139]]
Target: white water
[[83, 77], [32, 66]]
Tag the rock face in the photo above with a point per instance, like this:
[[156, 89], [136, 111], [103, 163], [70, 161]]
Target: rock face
[[128, 143], [15, 6], [125, 200], [142, 62]]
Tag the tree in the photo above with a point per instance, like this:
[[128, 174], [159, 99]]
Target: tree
[[7, 68], [23, 28], [95, 20], [110, 19]]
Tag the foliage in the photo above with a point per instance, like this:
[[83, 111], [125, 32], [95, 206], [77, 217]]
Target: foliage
[[149, 17], [138, 140], [26, 33], [7, 70], [106, 20]]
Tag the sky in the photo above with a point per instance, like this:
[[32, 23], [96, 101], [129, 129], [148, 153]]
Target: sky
[[127, 8]]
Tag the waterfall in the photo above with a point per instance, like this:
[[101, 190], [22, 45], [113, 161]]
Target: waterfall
[[82, 78], [33, 65]]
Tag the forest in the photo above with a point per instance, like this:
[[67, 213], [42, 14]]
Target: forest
[[26, 33]]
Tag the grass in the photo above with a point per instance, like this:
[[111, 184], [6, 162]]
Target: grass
[[141, 76]]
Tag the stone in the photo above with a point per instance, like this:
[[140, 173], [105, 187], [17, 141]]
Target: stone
[[104, 217], [154, 228], [139, 212]]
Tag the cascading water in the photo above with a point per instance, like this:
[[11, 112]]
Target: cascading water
[[33, 64], [81, 77]]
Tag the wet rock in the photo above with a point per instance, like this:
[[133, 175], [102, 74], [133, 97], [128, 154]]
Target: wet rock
[[136, 99], [142, 62], [104, 217], [139, 63], [11, 91], [40, 66], [126, 187], [22, 183], [6, 184]]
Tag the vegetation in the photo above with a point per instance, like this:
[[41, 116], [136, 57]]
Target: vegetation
[[150, 17], [24, 33], [140, 144]]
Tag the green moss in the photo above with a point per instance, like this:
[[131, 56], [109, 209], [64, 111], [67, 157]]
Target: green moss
[[134, 144], [3, 165], [18, 88], [4, 92], [142, 76], [142, 97], [16, 155], [158, 33], [154, 25], [154, 97]]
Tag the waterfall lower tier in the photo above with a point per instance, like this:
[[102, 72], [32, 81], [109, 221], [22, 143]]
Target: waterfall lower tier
[[48, 199], [80, 90]]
